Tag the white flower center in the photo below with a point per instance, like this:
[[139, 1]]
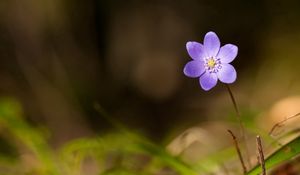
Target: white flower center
[[213, 65]]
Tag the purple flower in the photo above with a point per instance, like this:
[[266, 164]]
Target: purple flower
[[210, 62]]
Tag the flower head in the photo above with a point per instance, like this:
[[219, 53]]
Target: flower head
[[210, 61]]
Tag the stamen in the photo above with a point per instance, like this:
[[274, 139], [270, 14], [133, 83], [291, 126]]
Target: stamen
[[213, 65]]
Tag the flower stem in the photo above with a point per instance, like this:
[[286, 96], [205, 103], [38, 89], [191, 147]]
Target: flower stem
[[242, 128]]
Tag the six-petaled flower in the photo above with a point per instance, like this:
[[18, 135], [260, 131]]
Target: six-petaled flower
[[210, 61]]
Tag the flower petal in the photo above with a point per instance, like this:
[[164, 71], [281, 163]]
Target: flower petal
[[208, 80], [228, 53], [227, 73], [211, 44], [194, 68], [195, 50]]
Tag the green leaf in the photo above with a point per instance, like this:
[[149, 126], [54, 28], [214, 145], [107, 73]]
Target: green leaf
[[11, 117], [285, 153]]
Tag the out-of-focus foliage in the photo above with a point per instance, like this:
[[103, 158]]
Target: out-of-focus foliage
[[121, 152], [116, 153]]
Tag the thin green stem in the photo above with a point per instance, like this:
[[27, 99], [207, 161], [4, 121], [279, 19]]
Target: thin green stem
[[242, 128]]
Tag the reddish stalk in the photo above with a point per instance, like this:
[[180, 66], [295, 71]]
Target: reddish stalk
[[261, 157], [242, 128], [238, 150], [279, 124]]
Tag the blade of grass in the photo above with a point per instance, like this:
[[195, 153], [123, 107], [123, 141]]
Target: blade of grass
[[286, 152]]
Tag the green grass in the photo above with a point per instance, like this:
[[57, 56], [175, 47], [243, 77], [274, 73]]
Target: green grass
[[122, 152], [285, 153]]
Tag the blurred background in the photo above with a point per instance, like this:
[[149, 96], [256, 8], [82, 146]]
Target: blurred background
[[58, 58]]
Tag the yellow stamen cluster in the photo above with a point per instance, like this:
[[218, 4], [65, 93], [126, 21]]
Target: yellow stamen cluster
[[211, 63]]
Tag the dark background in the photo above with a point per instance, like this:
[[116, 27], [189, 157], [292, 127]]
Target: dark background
[[60, 57]]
